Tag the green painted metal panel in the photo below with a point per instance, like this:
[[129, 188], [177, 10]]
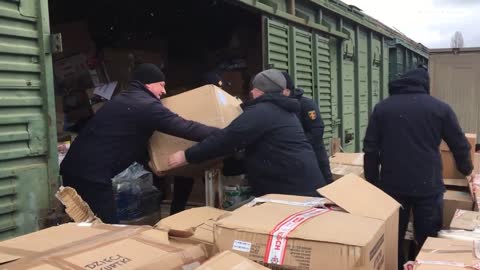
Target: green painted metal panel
[[375, 64], [278, 53], [323, 87], [28, 165], [347, 91], [302, 69], [385, 68], [334, 86], [362, 71]]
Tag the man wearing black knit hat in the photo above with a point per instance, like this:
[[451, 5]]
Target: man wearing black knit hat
[[118, 135], [278, 157]]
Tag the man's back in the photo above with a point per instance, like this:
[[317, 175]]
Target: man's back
[[406, 130], [282, 157], [279, 158]]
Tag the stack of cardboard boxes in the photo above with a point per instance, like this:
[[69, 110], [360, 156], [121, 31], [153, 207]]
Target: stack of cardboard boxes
[[357, 233], [458, 195], [458, 246]]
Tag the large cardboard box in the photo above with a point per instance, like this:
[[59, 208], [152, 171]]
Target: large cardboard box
[[340, 170], [354, 159], [461, 182], [446, 254], [361, 236], [230, 261], [449, 166], [208, 105], [196, 224], [453, 200], [465, 220], [99, 246]]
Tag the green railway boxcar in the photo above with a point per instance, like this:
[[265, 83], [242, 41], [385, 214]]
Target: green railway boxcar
[[341, 57]]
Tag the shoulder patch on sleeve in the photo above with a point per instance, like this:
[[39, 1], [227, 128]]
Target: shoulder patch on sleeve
[[312, 115]]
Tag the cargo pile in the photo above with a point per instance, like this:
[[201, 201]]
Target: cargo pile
[[247, 238], [457, 246]]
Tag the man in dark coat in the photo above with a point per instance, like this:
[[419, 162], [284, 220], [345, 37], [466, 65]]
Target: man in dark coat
[[278, 156], [118, 135], [312, 124], [402, 154]]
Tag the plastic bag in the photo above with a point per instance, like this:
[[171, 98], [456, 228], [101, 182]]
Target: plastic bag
[[134, 193]]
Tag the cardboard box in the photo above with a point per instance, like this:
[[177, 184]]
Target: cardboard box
[[318, 238], [340, 170], [74, 72], [88, 246], [449, 166], [208, 105], [459, 235], [445, 254], [230, 261], [461, 182], [453, 200], [465, 220], [476, 163], [196, 224], [355, 159]]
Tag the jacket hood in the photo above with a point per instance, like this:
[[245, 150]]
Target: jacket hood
[[414, 81], [286, 103], [297, 93]]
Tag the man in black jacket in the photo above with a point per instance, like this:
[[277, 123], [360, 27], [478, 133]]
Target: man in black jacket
[[312, 124], [118, 135], [278, 156], [402, 154]]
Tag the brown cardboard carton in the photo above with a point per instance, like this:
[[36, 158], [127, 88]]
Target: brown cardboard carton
[[230, 261], [208, 105], [465, 220], [91, 246], [446, 254], [371, 202], [338, 245], [449, 166], [355, 159], [196, 224], [461, 182], [476, 163], [340, 170], [453, 200]]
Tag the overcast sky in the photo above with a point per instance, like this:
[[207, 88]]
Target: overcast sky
[[430, 22]]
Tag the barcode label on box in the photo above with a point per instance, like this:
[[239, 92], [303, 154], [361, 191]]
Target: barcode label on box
[[242, 246]]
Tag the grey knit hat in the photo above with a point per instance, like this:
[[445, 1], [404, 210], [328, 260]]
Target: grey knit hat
[[270, 81]]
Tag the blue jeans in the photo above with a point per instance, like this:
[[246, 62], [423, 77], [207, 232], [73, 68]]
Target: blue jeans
[[427, 219]]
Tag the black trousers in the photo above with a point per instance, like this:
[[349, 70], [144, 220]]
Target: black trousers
[[100, 198], [427, 220], [182, 188]]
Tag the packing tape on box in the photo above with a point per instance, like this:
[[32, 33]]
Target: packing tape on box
[[277, 241], [459, 235], [411, 265], [314, 202], [358, 160], [475, 265], [57, 257]]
